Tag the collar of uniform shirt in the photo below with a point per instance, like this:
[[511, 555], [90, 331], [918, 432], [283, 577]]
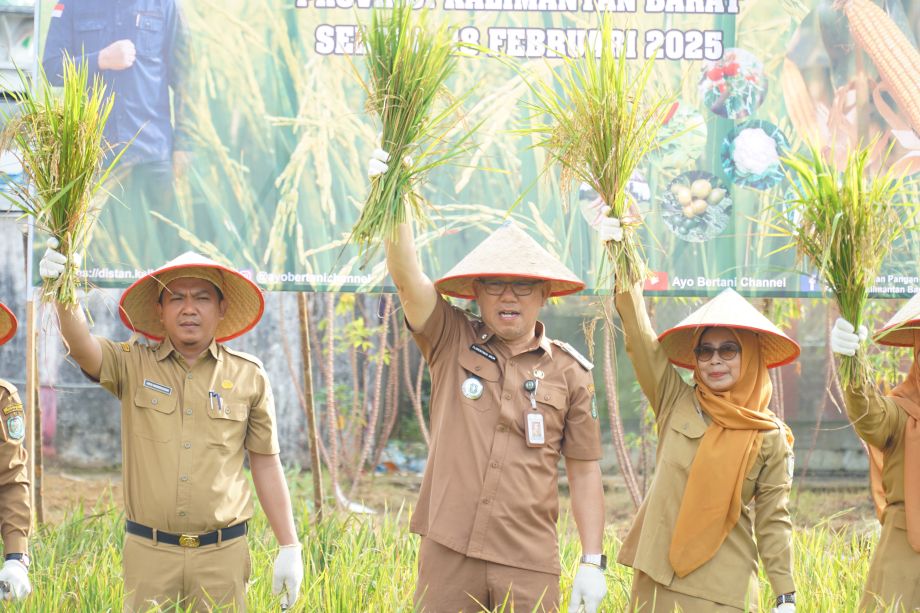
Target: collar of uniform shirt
[[166, 349]]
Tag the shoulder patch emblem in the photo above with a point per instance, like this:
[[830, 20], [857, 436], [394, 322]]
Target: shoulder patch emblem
[[16, 407], [582, 360], [16, 427]]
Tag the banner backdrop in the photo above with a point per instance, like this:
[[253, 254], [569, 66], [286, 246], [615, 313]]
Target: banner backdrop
[[252, 140]]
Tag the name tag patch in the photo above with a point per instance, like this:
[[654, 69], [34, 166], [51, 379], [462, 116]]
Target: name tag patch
[[157, 387], [483, 352]]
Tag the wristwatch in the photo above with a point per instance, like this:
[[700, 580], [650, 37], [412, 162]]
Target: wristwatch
[[596, 559], [784, 598], [22, 557]]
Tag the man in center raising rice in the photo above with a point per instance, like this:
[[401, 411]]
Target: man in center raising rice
[[506, 402]]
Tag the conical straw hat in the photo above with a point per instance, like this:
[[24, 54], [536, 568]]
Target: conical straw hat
[[509, 252], [7, 324], [727, 310], [245, 303], [899, 331]]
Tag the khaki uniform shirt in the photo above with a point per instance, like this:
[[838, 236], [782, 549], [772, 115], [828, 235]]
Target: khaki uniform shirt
[[730, 577], [184, 431], [895, 569], [15, 510], [485, 493]]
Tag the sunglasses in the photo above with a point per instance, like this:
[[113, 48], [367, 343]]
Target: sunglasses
[[726, 351], [518, 288]]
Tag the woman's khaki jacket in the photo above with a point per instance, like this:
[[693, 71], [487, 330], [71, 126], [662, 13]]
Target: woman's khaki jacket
[[730, 577]]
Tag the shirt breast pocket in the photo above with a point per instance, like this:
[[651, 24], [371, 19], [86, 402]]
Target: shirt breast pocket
[[227, 422], [552, 401], [151, 28], [90, 30], [482, 392], [153, 415], [683, 440]]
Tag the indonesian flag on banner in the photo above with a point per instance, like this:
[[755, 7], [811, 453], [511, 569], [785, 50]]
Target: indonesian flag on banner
[[58, 10]]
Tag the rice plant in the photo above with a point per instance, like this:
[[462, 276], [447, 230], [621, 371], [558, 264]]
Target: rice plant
[[408, 60], [604, 116], [847, 220], [58, 139]]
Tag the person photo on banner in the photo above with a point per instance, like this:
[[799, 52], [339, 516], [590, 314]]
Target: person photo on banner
[[192, 410], [890, 426], [719, 498], [140, 49]]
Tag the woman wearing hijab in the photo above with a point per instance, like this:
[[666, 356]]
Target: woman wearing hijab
[[724, 461], [890, 426]]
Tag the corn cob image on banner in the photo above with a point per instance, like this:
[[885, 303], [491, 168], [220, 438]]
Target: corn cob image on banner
[[250, 134]]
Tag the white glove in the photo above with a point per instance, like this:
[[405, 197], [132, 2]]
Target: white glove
[[843, 339], [53, 263], [15, 575], [596, 214], [610, 229], [786, 607], [590, 587], [377, 165], [288, 574]]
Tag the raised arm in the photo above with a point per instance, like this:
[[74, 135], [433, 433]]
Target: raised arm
[[416, 291], [83, 347], [653, 370]]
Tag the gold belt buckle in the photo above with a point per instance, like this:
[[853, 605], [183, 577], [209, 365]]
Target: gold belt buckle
[[189, 540]]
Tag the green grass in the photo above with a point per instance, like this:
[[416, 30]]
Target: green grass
[[369, 563]]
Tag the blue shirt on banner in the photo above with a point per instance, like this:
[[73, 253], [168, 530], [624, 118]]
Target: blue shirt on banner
[[83, 28]]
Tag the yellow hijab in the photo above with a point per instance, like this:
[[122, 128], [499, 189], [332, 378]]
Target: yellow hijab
[[711, 504]]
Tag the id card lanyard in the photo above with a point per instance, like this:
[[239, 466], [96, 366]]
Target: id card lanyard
[[534, 428]]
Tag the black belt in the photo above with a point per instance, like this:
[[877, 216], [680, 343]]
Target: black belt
[[187, 540]]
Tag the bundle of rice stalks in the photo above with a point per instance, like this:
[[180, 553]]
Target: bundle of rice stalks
[[408, 63], [58, 140], [604, 116], [846, 220]]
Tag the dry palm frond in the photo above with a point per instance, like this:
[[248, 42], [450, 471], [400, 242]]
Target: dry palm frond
[[846, 222], [408, 63], [59, 140], [604, 119]]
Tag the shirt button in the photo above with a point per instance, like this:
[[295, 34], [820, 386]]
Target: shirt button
[[501, 428], [507, 396], [154, 401], [183, 478], [187, 445], [494, 464], [546, 397], [486, 501], [189, 377], [478, 368], [181, 513], [188, 411]]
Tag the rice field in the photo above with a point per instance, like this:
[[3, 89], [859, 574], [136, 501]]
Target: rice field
[[368, 563]]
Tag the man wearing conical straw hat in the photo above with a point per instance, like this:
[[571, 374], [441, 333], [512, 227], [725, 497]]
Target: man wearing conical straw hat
[[506, 403], [890, 426], [191, 410], [724, 460], [15, 510]]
